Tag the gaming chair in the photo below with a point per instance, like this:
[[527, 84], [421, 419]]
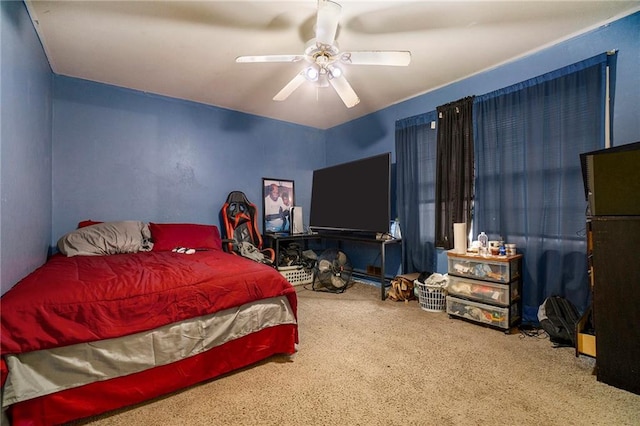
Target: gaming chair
[[240, 223]]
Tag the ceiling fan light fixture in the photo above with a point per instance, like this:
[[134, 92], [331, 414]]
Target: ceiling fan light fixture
[[334, 72], [323, 80], [325, 60], [311, 73]]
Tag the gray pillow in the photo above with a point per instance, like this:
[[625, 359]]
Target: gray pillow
[[107, 238]]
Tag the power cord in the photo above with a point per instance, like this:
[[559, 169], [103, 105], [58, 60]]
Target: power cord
[[528, 330]]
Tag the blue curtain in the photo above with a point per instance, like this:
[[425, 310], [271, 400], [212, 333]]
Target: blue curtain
[[529, 187], [415, 190]]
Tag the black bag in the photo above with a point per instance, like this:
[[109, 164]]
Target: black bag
[[559, 317]]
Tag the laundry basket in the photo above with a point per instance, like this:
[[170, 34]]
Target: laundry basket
[[431, 296], [296, 275]]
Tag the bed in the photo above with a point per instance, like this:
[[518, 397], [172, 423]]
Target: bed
[[91, 332]]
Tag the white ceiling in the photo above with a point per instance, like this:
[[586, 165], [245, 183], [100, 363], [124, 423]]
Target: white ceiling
[[187, 50]]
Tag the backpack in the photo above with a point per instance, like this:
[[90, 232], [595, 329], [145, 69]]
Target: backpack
[[559, 317]]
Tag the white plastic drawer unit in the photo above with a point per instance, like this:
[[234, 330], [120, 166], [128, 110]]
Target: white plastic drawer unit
[[493, 268], [484, 291], [479, 312]]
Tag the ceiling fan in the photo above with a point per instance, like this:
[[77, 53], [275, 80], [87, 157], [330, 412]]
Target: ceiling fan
[[324, 58]]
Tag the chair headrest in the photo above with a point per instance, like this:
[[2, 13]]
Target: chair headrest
[[237, 197]]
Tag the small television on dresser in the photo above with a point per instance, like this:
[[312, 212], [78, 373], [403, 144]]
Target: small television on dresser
[[612, 180], [352, 197]]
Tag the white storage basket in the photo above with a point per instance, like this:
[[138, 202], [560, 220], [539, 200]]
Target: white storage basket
[[296, 275], [431, 297]]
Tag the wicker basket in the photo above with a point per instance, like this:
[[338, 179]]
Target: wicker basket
[[431, 297], [296, 275]]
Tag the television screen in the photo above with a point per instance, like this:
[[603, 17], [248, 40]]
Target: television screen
[[585, 155], [612, 180], [352, 196]]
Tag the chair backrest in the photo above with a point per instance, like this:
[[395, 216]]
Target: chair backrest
[[240, 221]]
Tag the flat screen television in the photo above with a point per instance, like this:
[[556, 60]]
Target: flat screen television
[[586, 155], [352, 197], [612, 180]]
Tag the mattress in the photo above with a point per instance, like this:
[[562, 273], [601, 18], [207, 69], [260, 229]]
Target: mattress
[[43, 372], [91, 322]]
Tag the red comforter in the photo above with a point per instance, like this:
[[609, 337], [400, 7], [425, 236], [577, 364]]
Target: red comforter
[[79, 299]]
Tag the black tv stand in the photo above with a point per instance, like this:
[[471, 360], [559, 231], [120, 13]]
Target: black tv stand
[[348, 234], [274, 240]]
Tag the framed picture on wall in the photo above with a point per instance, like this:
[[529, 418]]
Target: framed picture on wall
[[276, 207]]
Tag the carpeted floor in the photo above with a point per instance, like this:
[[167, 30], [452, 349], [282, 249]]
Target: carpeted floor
[[363, 361]]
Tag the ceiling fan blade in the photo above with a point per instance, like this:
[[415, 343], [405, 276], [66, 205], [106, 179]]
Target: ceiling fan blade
[[290, 87], [327, 21], [377, 57], [345, 91], [269, 58]]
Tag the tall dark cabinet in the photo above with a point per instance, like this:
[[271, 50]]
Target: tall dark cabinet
[[612, 187], [616, 299]]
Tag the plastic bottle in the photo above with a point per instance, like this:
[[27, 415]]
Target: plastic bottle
[[483, 239], [396, 229]]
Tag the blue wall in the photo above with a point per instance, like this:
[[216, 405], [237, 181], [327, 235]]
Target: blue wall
[[25, 147], [119, 154], [107, 153]]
